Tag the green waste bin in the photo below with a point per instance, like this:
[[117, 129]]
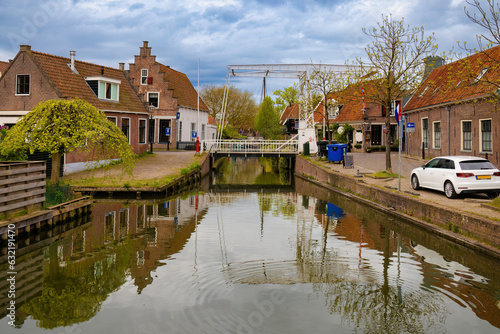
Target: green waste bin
[[306, 148]]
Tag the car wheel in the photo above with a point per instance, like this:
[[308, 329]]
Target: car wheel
[[414, 182], [492, 195], [449, 190]]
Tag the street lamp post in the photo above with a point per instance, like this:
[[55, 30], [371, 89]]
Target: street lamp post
[[151, 108]]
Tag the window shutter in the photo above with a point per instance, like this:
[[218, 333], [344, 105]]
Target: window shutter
[[150, 80]]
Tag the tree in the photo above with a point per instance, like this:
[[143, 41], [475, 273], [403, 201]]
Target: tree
[[324, 83], [396, 59], [487, 18], [286, 97], [267, 121], [240, 105], [63, 126]]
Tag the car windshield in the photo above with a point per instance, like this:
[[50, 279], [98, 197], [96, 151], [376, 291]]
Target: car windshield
[[476, 165]]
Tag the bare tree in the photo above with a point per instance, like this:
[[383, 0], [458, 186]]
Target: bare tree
[[488, 18], [396, 59], [241, 107]]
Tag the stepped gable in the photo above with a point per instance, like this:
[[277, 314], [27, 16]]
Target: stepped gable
[[182, 88], [71, 85]]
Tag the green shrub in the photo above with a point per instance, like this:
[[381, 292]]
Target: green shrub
[[57, 193], [357, 145]]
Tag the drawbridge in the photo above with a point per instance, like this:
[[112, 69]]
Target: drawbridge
[[271, 148]]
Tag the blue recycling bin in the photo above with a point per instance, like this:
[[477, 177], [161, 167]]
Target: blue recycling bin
[[336, 152]]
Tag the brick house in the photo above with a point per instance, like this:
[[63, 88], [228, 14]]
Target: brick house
[[367, 117], [168, 93], [454, 112], [33, 77], [3, 67]]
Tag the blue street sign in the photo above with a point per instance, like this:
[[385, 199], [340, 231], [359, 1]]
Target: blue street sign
[[410, 127], [167, 131], [194, 134], [178, 115]]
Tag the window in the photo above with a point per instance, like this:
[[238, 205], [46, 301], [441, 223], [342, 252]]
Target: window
[[425, 132], [153, 99], [105, 88], [180, 132], [126, 128], [202, 137], [142, 131], [486, 143], [394, 133], [23, 84], [112, 119], [466, 135], [437, 134], [480, 75], [144, 77]]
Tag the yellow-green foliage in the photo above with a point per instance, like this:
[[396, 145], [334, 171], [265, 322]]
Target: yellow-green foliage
[[63, 126]]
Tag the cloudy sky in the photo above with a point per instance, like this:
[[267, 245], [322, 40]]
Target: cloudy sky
[[219, 32]]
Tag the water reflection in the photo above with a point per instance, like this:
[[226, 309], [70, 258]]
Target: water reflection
[[252, 262]]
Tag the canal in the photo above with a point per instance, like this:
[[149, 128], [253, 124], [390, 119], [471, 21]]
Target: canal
[[255, 250]]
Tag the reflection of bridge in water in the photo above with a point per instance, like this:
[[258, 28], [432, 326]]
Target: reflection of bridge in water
[[251, 148], [252, 188]]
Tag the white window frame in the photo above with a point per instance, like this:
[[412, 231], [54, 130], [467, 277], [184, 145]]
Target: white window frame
[[434, 135], [29, 85], [158, 106], [113, 119], [144, 79], [481, 135], [145, 130], [129, 126], [462, 135]]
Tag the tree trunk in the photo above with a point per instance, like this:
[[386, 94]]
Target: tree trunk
[[388, 166], [56, 166]]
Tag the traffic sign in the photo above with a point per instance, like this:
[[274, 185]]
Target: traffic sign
[[178, 115], [410, 127], [194, 134], [167, 131]]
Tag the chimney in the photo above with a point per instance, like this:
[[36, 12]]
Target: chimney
[[431, 63], [121, 66], [25, 48], [145, 49], [72, 57]]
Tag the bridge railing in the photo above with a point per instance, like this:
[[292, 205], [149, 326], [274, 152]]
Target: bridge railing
[[250, 146]]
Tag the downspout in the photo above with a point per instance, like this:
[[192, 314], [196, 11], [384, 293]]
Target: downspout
[[448, 108]]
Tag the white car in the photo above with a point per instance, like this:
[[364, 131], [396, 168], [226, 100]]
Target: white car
[[457, 175]]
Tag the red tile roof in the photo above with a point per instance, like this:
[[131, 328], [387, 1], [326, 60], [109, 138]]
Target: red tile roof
[[292, 112], [184, 91], [3, 67], [72, 85], [457, 82]]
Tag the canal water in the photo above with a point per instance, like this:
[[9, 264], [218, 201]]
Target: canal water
[[253, 251]]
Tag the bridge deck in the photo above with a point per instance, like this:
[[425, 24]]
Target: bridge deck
[[251, 148]]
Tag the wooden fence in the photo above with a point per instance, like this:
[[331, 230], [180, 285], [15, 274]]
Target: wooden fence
[[22, 187]]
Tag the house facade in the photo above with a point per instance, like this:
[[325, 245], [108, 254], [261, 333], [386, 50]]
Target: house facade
[[178, 114], [33, 77], [455, 110], [368, 118]]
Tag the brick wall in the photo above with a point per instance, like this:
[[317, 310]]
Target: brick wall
[[473, 112]]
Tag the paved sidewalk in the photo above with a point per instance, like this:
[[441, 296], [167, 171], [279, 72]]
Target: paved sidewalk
[[367, 163], [155, 166]]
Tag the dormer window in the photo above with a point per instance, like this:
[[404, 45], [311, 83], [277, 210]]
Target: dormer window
[[480, 75], [105, 88]]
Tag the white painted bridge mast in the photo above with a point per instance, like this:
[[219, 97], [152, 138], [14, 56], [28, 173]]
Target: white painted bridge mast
[[301, 72]]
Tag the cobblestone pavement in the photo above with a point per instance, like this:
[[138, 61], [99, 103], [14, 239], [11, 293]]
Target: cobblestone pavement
[[366, 163]]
